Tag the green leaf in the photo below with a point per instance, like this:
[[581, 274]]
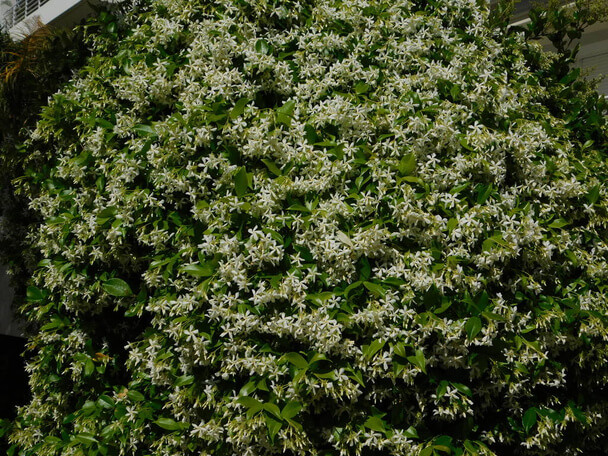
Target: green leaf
[[108, 432], [483, 193], [442, 388], [428, 451], [298, 208], [529, 419], [327, 375], [34, 294], [273, 425], [316, 357], [184, 380], [559, 223], [364, 268], [471, 448], [464, 143], [310, 134], [328, 144], [168, 424], [89, 408], [472, 327], [241, 182], [248, 388], [239, 108], [135, 396], [490, 242], [411, 433], [493, 316], [337, 151], [294, 424], [356, 376], [399, 350], [370, 350], [103, 123], [273, 409], [116, 287], [578, 413], [291, 409], [272, 167], [375, 288], [344, 238], [571, 76], [145, 130], [418, 360], [375, 423], [299, 375], [262, 46], [198, 269], [593, 194], [414, 180], [106, 214], [452, 223], [407, 165], [285, 113], [361, 88], [296, 359], [56, 322], [464, 389], [89, 367], [351, 287], [252, 404], [51, 439], [105, 401], [460, 188], [85, 438], [446, 303]]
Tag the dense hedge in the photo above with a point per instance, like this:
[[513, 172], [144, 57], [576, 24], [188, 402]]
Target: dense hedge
[[321, 227]]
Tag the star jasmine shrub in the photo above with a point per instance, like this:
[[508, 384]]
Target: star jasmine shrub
[[318, 227]]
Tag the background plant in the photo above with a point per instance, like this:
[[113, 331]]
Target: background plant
[[31, 70]]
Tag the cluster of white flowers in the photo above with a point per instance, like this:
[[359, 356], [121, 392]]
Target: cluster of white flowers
[[343, 226]]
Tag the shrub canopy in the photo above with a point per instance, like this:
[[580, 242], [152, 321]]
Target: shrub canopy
[[318, 227]]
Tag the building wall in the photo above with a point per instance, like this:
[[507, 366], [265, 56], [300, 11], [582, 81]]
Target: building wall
[[593, 55], [53, 12], [7, 324]]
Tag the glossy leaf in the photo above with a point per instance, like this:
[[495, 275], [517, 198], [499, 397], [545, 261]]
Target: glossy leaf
[[239, 108], [375, 424], [296, 359], [198, 269], [135, 396], [407, 165], [473, 327], [241, 182], [529, 419], [418, 360], [117, 287], [273, 425], [168, 424], [285, 113], [291, 409]]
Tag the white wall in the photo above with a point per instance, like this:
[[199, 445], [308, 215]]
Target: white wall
[[593, 55], [50, 13], [4, 7]]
